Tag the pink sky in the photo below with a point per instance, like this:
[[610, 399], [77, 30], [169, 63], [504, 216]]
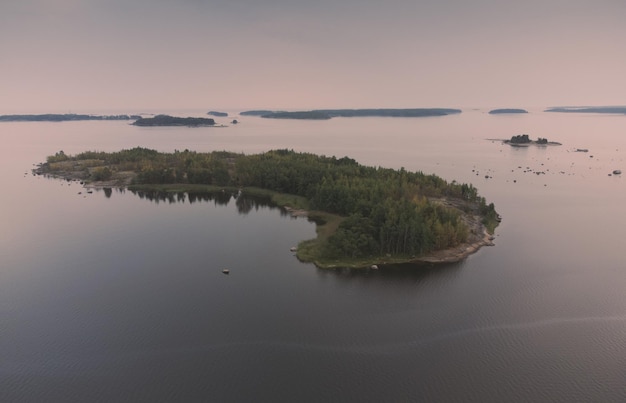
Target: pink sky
[[89, 55]]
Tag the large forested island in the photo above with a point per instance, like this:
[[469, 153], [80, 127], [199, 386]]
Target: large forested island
[[55, 117], [365, 215], [321, 114]]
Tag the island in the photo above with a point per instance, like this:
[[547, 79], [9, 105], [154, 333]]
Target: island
[[589, 109], [365, 215], [522, 140], [257, 112], [218, 114], [310, 115], [53, 117], [324, 114], [166, 120], [506, 111]]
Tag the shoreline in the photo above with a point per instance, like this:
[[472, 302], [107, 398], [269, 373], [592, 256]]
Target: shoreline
[[479, 237], [459, 252]]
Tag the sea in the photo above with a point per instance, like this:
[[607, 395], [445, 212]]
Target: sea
[[113, 296]]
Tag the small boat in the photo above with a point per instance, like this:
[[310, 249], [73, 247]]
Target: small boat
[[617, 172], [293, 249], [226, 271]]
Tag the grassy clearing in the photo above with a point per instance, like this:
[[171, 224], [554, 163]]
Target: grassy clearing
[[326, 225]]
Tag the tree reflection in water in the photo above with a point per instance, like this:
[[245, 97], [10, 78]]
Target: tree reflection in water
[[244, 203]]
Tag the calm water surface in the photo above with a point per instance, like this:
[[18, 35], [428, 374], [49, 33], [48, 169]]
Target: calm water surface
[[112, 297]]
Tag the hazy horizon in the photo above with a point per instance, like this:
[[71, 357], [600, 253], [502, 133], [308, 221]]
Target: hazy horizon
[[80, 55]]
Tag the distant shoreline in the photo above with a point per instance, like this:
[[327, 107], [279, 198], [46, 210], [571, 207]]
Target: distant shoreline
[[67, 117], [589, 109], [325, 114]]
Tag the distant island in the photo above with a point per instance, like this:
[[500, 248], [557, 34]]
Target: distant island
[[310, 115], [52, 117], [524, 140], [259, 112], [365, 215], [218, 114], [589, 109], [166, 120], [507, 110], [324, 114]]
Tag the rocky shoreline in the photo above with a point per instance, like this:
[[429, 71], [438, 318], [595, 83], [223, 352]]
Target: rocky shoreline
[[458, 253], [479, 237]]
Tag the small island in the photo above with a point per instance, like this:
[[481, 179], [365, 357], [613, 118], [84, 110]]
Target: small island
[[166, 120], [522, 140], [365, 215], [325, 114], [217, 114], [53, 117], [506, 111]]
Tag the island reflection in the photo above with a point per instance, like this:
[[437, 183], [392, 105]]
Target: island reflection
[[244, 203]]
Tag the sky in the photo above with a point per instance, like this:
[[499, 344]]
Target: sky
[[62, 56]]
